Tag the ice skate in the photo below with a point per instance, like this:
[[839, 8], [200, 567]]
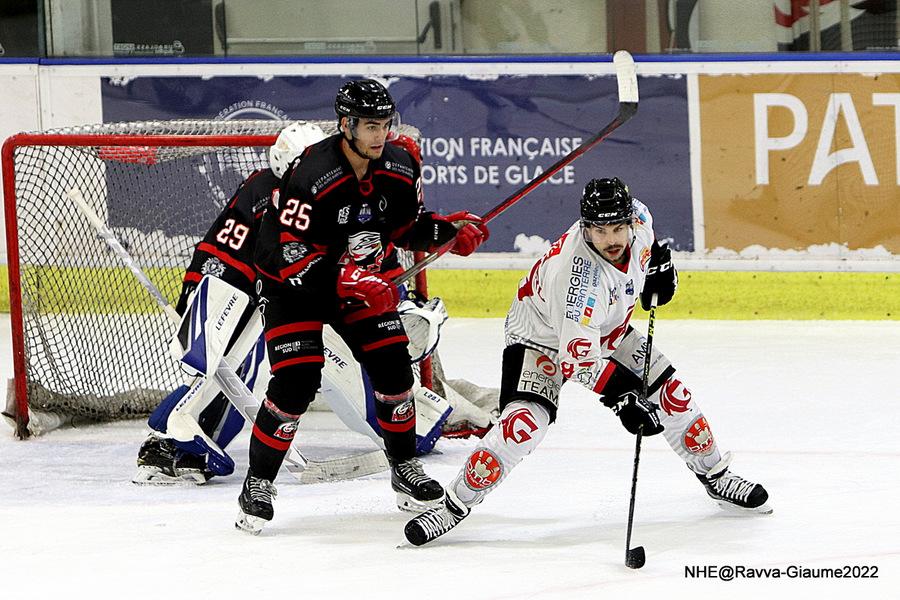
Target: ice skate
[[733, 492], [416, 491], [437, 521], [160, 462], [256, 504]]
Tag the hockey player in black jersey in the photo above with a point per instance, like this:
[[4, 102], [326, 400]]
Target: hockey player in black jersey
[[225, 252], [326, 254]]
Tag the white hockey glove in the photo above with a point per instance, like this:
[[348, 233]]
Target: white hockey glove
[[423, 326]]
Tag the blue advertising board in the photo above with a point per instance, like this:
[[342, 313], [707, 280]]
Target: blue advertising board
[[484, 137]]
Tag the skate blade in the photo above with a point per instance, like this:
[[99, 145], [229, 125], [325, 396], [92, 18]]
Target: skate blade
[[762, 509], [249, 523], [147, 475], [407, 503]]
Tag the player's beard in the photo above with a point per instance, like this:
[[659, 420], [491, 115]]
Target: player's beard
[[613, 253]]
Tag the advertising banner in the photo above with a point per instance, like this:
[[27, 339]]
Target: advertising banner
[[484, 137], [791, 161]]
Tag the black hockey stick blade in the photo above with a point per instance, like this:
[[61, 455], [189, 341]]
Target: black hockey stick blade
[[635, 557], [626, 78]]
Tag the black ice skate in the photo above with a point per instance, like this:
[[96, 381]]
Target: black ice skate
[[733, 492], [160, 462], [437, 521], [256, 504], [416, 491]]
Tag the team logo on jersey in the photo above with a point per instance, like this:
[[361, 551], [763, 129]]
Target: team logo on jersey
[[645, 258], [579, 347], [511, 433], [629, 288], [546, 364], [365, 249], [343, 215], [698, 439], [365, 214], [674, 397], [293, 251], [213, 266], [286, 431], [482, 470]]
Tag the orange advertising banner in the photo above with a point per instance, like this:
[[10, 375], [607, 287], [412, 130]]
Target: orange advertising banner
[[795, 160]]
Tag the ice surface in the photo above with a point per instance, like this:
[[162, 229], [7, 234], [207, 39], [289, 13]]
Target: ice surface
[[810, 409]]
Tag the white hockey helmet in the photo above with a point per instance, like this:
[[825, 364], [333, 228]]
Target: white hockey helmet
[[292, 140]]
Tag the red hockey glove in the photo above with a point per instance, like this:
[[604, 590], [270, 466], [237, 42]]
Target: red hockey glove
[[408, 144], [471, 231], [379, 293]]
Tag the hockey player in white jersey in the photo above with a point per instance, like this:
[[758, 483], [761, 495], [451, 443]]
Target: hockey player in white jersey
[[570, 321]]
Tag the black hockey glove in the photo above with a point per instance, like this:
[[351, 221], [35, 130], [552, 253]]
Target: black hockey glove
[[622, 394], [662, 279], [636, 412]]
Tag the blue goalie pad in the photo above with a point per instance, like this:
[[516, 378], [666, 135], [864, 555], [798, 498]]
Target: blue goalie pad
[[425, 443], [160, 415], [219, 464]]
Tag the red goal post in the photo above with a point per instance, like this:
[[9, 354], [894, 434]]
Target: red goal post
[[88, 341]]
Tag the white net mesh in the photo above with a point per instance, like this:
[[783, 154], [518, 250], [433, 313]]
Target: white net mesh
[[95, 343]]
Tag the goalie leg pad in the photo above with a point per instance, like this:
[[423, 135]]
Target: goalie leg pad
[[432, 412], [523, 424], [160, 415]]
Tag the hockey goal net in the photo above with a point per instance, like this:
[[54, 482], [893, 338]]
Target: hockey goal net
[[89, 342]]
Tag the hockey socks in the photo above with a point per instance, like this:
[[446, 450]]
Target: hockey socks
[[273, 433], [396, 416]]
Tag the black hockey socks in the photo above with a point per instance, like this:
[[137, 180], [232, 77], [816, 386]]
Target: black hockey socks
[[273, 432], [396, 415]]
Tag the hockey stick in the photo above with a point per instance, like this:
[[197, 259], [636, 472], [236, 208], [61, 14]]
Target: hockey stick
[[234, 388], [626, 77], [635, 557]]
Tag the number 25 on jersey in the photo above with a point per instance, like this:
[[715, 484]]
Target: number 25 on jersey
[[295, 214]]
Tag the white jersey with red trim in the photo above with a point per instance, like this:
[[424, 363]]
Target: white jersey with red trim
[[575, 306]]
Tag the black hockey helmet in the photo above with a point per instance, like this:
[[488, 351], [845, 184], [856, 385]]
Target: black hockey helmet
[[364, 98], [605, 202]]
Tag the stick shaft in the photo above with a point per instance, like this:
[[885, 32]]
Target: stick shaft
[[645, 383], [626, 78]]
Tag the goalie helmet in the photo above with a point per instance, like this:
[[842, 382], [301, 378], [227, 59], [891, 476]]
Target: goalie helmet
[[292, 140], [605, 202], [364, 98]]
